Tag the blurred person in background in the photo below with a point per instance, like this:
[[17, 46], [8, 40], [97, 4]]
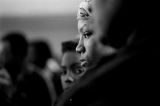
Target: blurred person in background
[[4, 75], [71, 65], [42, 62], [13, 51], [120, 48], [5, 82], [25, 89]]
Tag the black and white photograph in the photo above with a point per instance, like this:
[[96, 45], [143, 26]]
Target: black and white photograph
[[79, 53]]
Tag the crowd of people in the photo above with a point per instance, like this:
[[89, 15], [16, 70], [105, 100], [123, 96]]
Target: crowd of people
[[114, 60]]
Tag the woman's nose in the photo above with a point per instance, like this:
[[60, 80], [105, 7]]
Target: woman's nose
[[80, 47]]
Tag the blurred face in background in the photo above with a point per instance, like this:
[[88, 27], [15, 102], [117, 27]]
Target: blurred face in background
[[91, 17], [5, 53], [71, 69], [31, 54]]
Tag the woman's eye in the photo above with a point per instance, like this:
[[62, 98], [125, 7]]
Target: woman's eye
[[87, 34]]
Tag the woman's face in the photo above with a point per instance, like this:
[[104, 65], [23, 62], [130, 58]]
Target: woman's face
[[93, 19]]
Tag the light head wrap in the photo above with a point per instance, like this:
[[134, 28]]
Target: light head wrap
[[84, 10]]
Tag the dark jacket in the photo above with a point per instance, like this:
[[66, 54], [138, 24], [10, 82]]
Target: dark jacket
[[129, 78], [32, 91]]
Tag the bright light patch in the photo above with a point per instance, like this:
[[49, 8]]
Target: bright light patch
[[38, 7]]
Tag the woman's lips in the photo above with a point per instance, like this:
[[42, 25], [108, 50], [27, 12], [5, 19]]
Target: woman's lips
[[84, 63]]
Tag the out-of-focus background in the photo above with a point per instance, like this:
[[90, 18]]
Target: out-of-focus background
[[53, 20]]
